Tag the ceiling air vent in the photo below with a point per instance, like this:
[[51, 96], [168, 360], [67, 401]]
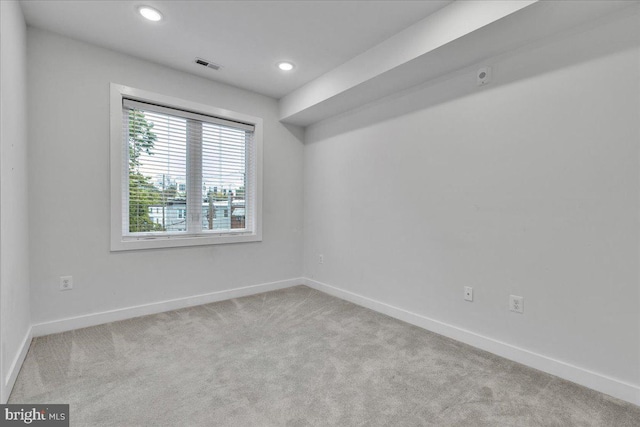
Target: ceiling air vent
[[206, 63]]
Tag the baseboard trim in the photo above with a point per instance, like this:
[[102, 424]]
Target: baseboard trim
[[602, 383], [18, 360], [93, 319]]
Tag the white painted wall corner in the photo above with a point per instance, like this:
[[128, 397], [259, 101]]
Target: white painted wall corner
[[8, 384]]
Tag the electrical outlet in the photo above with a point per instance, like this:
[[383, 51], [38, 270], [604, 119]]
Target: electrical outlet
[[516, 304], [468, 293], [321, 259], [66, 283]]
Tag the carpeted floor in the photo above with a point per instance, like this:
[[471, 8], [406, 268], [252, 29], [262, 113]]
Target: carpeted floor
[[294, 357]]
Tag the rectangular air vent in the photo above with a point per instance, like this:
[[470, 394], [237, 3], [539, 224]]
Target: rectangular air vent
[[206, 63]]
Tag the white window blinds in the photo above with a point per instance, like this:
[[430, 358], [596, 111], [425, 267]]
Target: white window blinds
[[185, 174]]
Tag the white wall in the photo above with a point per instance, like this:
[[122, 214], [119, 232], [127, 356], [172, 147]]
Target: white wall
[[14, 259], [69, 190], [528, 186]]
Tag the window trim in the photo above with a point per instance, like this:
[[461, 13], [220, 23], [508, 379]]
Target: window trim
[[118, 184]]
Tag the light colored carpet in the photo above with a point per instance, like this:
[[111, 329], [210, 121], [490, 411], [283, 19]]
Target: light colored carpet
[[294, 357]]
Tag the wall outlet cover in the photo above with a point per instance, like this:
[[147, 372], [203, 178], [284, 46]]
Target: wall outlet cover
[[516, 304], [468, 293], [66, 283]]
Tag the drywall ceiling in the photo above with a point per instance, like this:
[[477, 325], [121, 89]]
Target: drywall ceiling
[[459, 35], [246, 37], [347, 53]]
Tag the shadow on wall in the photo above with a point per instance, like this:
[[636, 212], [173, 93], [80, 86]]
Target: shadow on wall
[[296, 131], [607, 36]]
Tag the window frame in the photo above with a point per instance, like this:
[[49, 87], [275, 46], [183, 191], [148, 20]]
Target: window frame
[[118, 183]]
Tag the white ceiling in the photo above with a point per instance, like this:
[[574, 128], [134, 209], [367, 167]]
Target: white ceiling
[[246, 37]]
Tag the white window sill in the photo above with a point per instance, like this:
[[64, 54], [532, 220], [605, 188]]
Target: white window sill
[[173, 241]]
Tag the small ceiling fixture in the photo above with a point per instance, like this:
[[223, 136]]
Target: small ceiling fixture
[[150, 13], [285, 66]]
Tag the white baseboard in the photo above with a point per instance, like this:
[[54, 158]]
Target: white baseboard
[[93, 319], [602, 383], [7, 385]]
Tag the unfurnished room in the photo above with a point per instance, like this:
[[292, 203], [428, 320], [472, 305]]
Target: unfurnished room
[[320, 213]]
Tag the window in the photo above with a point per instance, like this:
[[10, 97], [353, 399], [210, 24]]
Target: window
[[174, 163]]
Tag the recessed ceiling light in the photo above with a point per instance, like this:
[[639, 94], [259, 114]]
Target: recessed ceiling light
[[150, 13], [285, 66]]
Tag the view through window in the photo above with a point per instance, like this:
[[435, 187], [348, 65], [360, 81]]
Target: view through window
[[186, 173]]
